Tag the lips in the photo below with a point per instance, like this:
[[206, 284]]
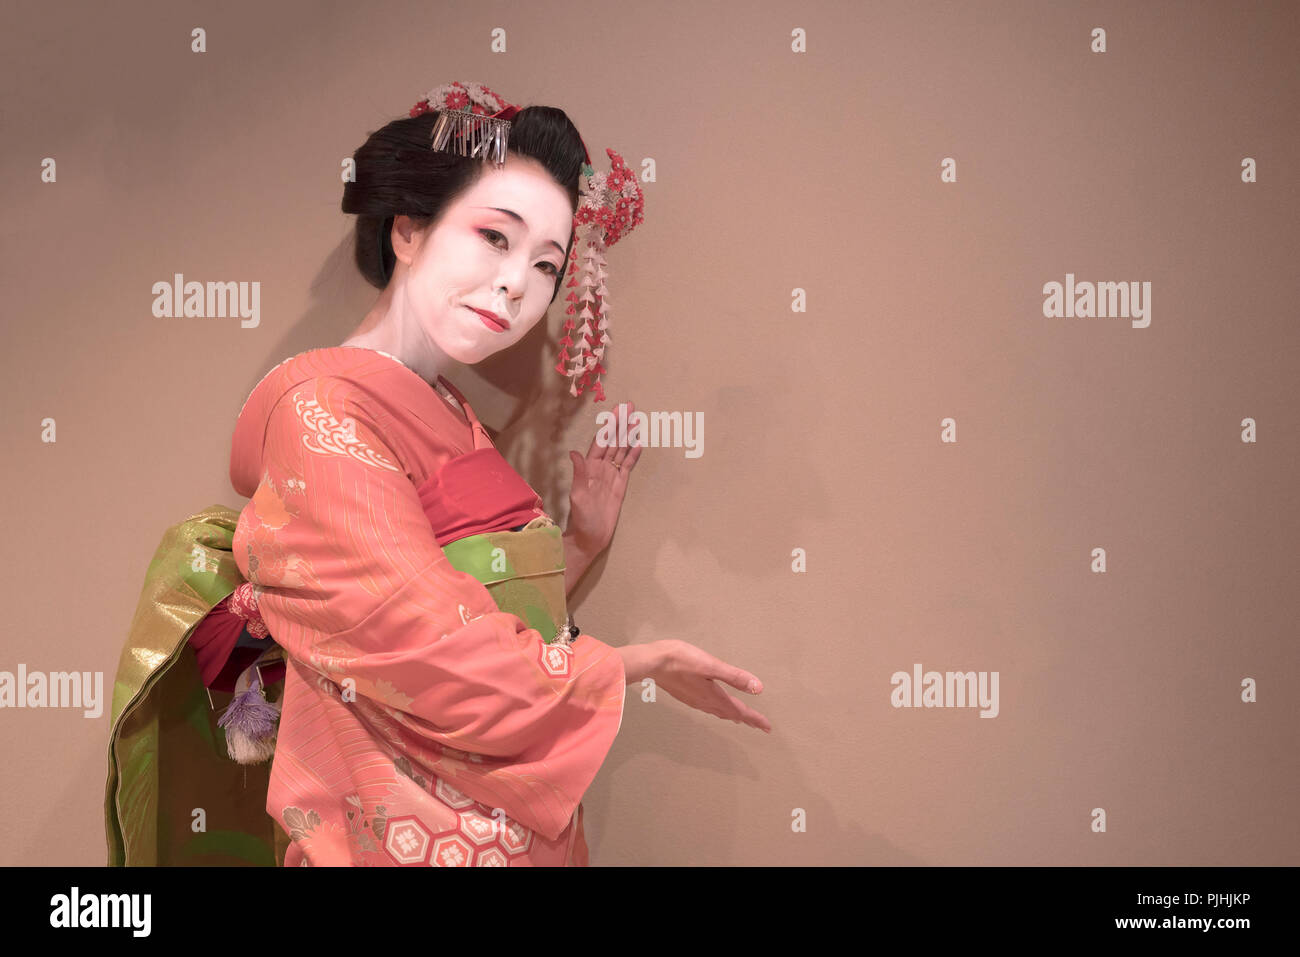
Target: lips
[[493, 320]]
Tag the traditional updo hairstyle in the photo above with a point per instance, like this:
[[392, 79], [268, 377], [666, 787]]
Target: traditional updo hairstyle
[[397, 174]]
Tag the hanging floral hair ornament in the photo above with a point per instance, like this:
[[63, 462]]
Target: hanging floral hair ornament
[[612, 205]]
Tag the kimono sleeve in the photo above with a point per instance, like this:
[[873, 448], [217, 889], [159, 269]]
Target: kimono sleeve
[[355, 587]]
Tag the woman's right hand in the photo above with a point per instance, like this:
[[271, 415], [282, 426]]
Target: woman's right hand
[[694, 677]]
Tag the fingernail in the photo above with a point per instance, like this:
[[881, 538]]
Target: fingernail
[[754, 686]]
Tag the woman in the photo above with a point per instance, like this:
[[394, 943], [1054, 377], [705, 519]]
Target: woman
[[434, 710]]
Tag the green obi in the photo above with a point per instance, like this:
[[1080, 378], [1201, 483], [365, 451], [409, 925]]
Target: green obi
[[523, 570], [168, 766]]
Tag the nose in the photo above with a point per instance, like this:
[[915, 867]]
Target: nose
[[511, 279]]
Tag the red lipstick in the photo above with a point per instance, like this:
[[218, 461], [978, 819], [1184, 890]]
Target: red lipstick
[[492, 320]]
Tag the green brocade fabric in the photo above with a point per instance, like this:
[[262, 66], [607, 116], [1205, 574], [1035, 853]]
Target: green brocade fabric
[[523, 571], [174, 796]]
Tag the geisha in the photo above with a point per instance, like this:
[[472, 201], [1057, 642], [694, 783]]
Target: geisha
[[406, 585]]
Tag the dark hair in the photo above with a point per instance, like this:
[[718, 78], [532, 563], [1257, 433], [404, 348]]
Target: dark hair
[[397, 174]]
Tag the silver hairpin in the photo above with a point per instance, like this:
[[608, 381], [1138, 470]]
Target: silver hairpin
[[472, 135]]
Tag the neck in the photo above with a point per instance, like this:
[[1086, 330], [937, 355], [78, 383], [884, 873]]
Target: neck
[[389, 327]]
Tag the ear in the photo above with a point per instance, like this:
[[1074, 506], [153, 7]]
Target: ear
[[407, 237]]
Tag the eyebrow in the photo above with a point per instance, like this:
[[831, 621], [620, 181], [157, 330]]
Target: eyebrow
[[515, 216]]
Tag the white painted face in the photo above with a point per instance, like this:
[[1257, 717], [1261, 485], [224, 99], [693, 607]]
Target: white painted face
[[479, 257]]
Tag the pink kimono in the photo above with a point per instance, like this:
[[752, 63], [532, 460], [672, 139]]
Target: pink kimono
[[420, 724]]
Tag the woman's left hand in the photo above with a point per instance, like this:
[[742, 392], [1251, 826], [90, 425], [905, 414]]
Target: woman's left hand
[[599, 484]]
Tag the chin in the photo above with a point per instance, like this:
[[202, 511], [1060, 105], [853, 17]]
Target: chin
[[468, 354]]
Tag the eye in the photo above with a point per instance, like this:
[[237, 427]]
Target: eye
[[550, 268]]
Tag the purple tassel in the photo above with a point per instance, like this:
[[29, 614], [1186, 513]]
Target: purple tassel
[[251, 722]]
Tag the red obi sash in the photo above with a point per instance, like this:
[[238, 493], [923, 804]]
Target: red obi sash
[[471, 494], [475, 493]]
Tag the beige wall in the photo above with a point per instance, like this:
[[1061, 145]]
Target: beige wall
[[776, 170]]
